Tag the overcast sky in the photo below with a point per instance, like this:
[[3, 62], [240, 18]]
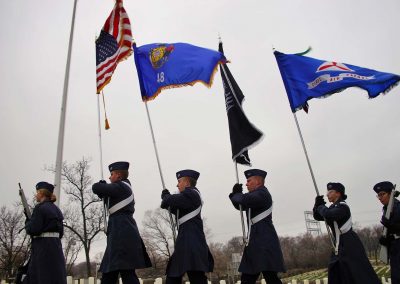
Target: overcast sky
[[350, 138]]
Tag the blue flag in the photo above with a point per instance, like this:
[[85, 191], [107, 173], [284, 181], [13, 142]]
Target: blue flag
[[170, 65], [306, 78]]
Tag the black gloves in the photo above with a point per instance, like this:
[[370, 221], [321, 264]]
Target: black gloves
[[385, 241], [393, 228], [237, 188], [102, 181], [319, 200], [164, 193]]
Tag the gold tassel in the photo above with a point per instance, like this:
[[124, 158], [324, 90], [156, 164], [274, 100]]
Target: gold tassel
[[107, 125]]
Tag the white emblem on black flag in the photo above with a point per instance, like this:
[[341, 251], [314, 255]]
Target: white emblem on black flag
[[243, 134]]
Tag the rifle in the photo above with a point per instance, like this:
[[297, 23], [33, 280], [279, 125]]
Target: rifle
[[383, 252], [27, 210]]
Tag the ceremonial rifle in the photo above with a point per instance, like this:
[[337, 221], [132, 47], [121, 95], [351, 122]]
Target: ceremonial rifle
[[383, 252], [27, 210]]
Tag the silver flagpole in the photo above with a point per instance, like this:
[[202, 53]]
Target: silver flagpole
[[105, 205], [159, 169], [245, 240], [61, 131], [312, 175]]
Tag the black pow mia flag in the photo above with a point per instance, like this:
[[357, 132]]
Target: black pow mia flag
[[243, 134]]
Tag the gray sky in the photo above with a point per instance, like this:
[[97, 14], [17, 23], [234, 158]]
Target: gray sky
[[350, 139]]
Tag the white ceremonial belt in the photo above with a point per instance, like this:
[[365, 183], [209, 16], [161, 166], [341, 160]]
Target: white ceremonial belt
[[395, 236], [343, 229], [261, 216], [48, 235], [121, 204], [189, 216]]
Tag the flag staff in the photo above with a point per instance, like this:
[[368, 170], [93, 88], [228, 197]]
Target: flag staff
[[159, 168], [105, 204], [245, 240], [61, 131], [312, 174]]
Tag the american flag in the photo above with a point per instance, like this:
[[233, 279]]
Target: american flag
[[113, 45]]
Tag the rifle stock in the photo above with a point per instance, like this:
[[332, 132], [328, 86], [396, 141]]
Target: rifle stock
[[27, 210], [383, 252]]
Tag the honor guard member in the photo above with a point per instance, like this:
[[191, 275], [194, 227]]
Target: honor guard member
[[392, 240], [125, 249], [262, 253], [47, 263], [349, 262], [191, 254]]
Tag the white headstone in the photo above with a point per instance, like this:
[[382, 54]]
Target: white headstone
[[140, 280], [69, 280], [294, 281], [222, 282], [158, 280], [306, 282], [325, 280], [91, 280], [263, 281], [317, 281]]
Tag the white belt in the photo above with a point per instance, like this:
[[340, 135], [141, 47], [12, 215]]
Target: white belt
[[122, 203], [192, 214], [48, 235], [256, 219], [342, 230], [261, 216], [189, 216]]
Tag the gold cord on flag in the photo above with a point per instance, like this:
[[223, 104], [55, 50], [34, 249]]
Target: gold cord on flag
[[107, 125]]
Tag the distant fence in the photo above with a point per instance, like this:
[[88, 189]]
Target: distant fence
[[92, 280]]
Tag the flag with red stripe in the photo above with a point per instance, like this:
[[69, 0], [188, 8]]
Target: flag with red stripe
[[113, 45]]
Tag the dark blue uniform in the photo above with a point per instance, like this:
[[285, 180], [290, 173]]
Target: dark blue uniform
[[125, 249], [263, 252], [47, 264], [351, 265], [394, 243], [191, 250]]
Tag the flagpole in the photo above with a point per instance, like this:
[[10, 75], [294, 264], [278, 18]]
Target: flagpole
[[159, 168], [105, 206], [236, 169], [312, 175], [61, 131], [245, 240]]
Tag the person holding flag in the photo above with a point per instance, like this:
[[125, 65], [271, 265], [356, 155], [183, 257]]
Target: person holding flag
[[262, 253], [191, 255], [125, 249], [47, 262], [349, 262], [392, 240]]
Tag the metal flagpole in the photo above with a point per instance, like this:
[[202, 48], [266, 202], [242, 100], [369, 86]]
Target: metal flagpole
[[312, 175], [245, 240], [61, 131], [159, 168], [105, 206], [236, 169]]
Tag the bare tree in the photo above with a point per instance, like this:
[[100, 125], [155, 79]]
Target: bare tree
[[158, 239], [71, 250], [13, 243], [83, 213]]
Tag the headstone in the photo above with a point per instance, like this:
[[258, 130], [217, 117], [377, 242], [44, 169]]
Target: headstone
[[69, 280]]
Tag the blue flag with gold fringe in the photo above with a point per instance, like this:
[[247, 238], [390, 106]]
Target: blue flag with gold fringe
[[306, 78], [171, 65]]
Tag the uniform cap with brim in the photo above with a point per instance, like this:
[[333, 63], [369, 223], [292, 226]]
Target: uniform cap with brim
[[385, 186], [255, 172], [45, 185], [188, 173], [337, 186], [118, 166]]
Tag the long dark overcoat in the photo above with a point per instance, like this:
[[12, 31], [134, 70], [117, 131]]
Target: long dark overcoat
[[47, 264], [125, 248], [191, 250], [394, 246], [263, 252], [351, 265]]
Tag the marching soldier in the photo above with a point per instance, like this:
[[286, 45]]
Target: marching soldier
[[47, 264], [392, 240], [349, 262], [191, 255], [263, 253], [125, 249]]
